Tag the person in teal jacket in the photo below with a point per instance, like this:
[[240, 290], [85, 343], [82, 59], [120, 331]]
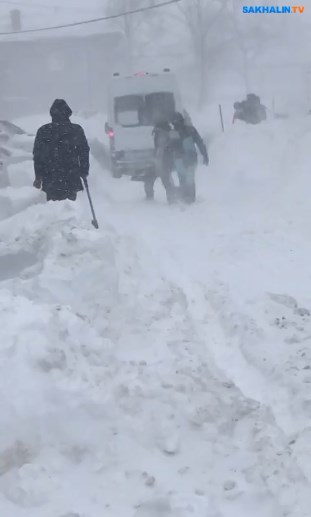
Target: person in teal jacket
[[184, 151]]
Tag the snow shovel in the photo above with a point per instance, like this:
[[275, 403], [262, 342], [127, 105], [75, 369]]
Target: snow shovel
[[94, 222]]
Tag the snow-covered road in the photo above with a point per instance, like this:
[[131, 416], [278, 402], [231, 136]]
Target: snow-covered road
[[160, 366]]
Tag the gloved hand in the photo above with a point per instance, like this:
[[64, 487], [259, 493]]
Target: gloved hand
[[37, 183]]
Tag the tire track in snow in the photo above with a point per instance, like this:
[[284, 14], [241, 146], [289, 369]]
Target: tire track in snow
[[221, 330], [274, 426]]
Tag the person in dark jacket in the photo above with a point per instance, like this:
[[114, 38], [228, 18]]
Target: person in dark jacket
[[239, 111], [185, 156], [163, 161], [250, 110], [61, 155]]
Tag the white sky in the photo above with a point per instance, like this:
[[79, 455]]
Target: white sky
[[48, 12], [48, 5]]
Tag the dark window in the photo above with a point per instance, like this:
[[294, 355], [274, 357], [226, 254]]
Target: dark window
[[160, 104]]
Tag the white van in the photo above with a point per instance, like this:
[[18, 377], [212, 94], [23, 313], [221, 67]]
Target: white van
[[134, 104]]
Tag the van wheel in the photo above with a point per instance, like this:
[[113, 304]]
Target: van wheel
[[116, 173]]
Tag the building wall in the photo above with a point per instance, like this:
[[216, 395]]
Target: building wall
[[34, 73]]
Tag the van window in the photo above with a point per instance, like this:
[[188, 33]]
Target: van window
[[127, 110], [143, 110], [159, 104]]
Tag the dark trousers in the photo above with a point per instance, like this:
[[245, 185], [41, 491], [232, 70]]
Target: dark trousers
[[186, 177], [167, 183], [61, 195]]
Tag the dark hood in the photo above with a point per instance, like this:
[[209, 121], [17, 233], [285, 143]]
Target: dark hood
[[60, 111]]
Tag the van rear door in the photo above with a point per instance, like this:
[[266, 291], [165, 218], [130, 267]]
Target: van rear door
[[136, 114]]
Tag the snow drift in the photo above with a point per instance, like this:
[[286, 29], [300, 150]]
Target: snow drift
[[159, 366]]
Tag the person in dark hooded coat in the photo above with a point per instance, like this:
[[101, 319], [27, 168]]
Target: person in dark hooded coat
[[61, 155]]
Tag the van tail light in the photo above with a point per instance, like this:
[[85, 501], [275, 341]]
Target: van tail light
[[109, 131]]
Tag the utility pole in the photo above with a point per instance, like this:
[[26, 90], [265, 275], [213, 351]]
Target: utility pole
[[241, 43], [16, 20], [308, 74]]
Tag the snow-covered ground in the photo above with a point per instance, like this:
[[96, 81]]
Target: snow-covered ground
[[160, 367]]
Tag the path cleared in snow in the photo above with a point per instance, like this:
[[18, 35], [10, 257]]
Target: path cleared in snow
[[160, 365]]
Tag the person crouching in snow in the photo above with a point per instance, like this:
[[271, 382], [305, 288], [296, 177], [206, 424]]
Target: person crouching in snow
[[185, 156], [250, 110], [61, 155]]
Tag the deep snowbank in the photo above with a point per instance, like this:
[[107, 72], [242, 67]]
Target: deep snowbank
[[154, 367], [91, 340]]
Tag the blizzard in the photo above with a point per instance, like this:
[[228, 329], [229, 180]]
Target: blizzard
[[160, 366]]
